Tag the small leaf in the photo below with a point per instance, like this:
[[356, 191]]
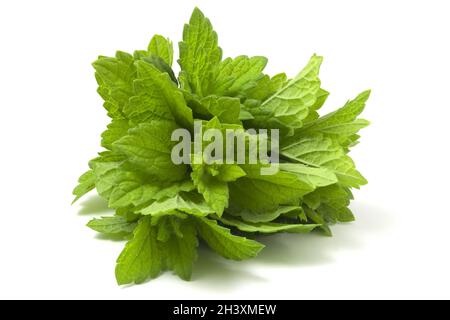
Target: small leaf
[[161, 47], [224, 243], [112, 225], [268, 227], [180, 251], [86, 183], [142, 257], [199, 54], [192, 204]]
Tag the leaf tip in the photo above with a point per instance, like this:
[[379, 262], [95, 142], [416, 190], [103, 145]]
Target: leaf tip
[[364, 95], [75, 200]]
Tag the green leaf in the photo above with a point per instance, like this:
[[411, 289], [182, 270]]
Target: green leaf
[[142, 257], [265, 216], [180, 249], [316, 218], [289, 106], [317, 177], [266, 87], [157, 98], [199, 54], [260, 193], [244, 114], [331, 203], [148, 147], [169, 225], [237, 75], [346, 172], [106, 178], [116, 130], [226, 109], [105, 161], [190, 203], [230, 172], [224, 243], [115, 76], [322, 152], [268, 227], [259, 196], [312, 150], [112, 225], [321, 97], [86, 183], [124, 187], [161, 65], [101, 166], [342, 121], [161, 47], [213, 190]]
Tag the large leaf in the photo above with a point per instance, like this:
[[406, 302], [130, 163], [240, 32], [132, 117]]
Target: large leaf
[[331, 203], [320, 151], [86, 183], [157, 98], [237, 75], [266, 216], [342, 122], [214, 190], [199, 54], [226, 109], [260, 193], [190, 203], [130, 188], [180, 248], [115, 77], [116, 130], [161, 47], [142, 257], [268, 227], [266, 87], [148, 147], [112, 225], [224, 243], [286, 109]]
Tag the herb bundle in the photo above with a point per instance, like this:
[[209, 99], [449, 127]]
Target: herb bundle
[[163, 208]]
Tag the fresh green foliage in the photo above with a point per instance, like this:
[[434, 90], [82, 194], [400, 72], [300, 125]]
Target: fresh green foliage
[[116, 225], [163, 209]]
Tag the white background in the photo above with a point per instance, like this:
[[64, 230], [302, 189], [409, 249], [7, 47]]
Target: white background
[[51, 119]]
